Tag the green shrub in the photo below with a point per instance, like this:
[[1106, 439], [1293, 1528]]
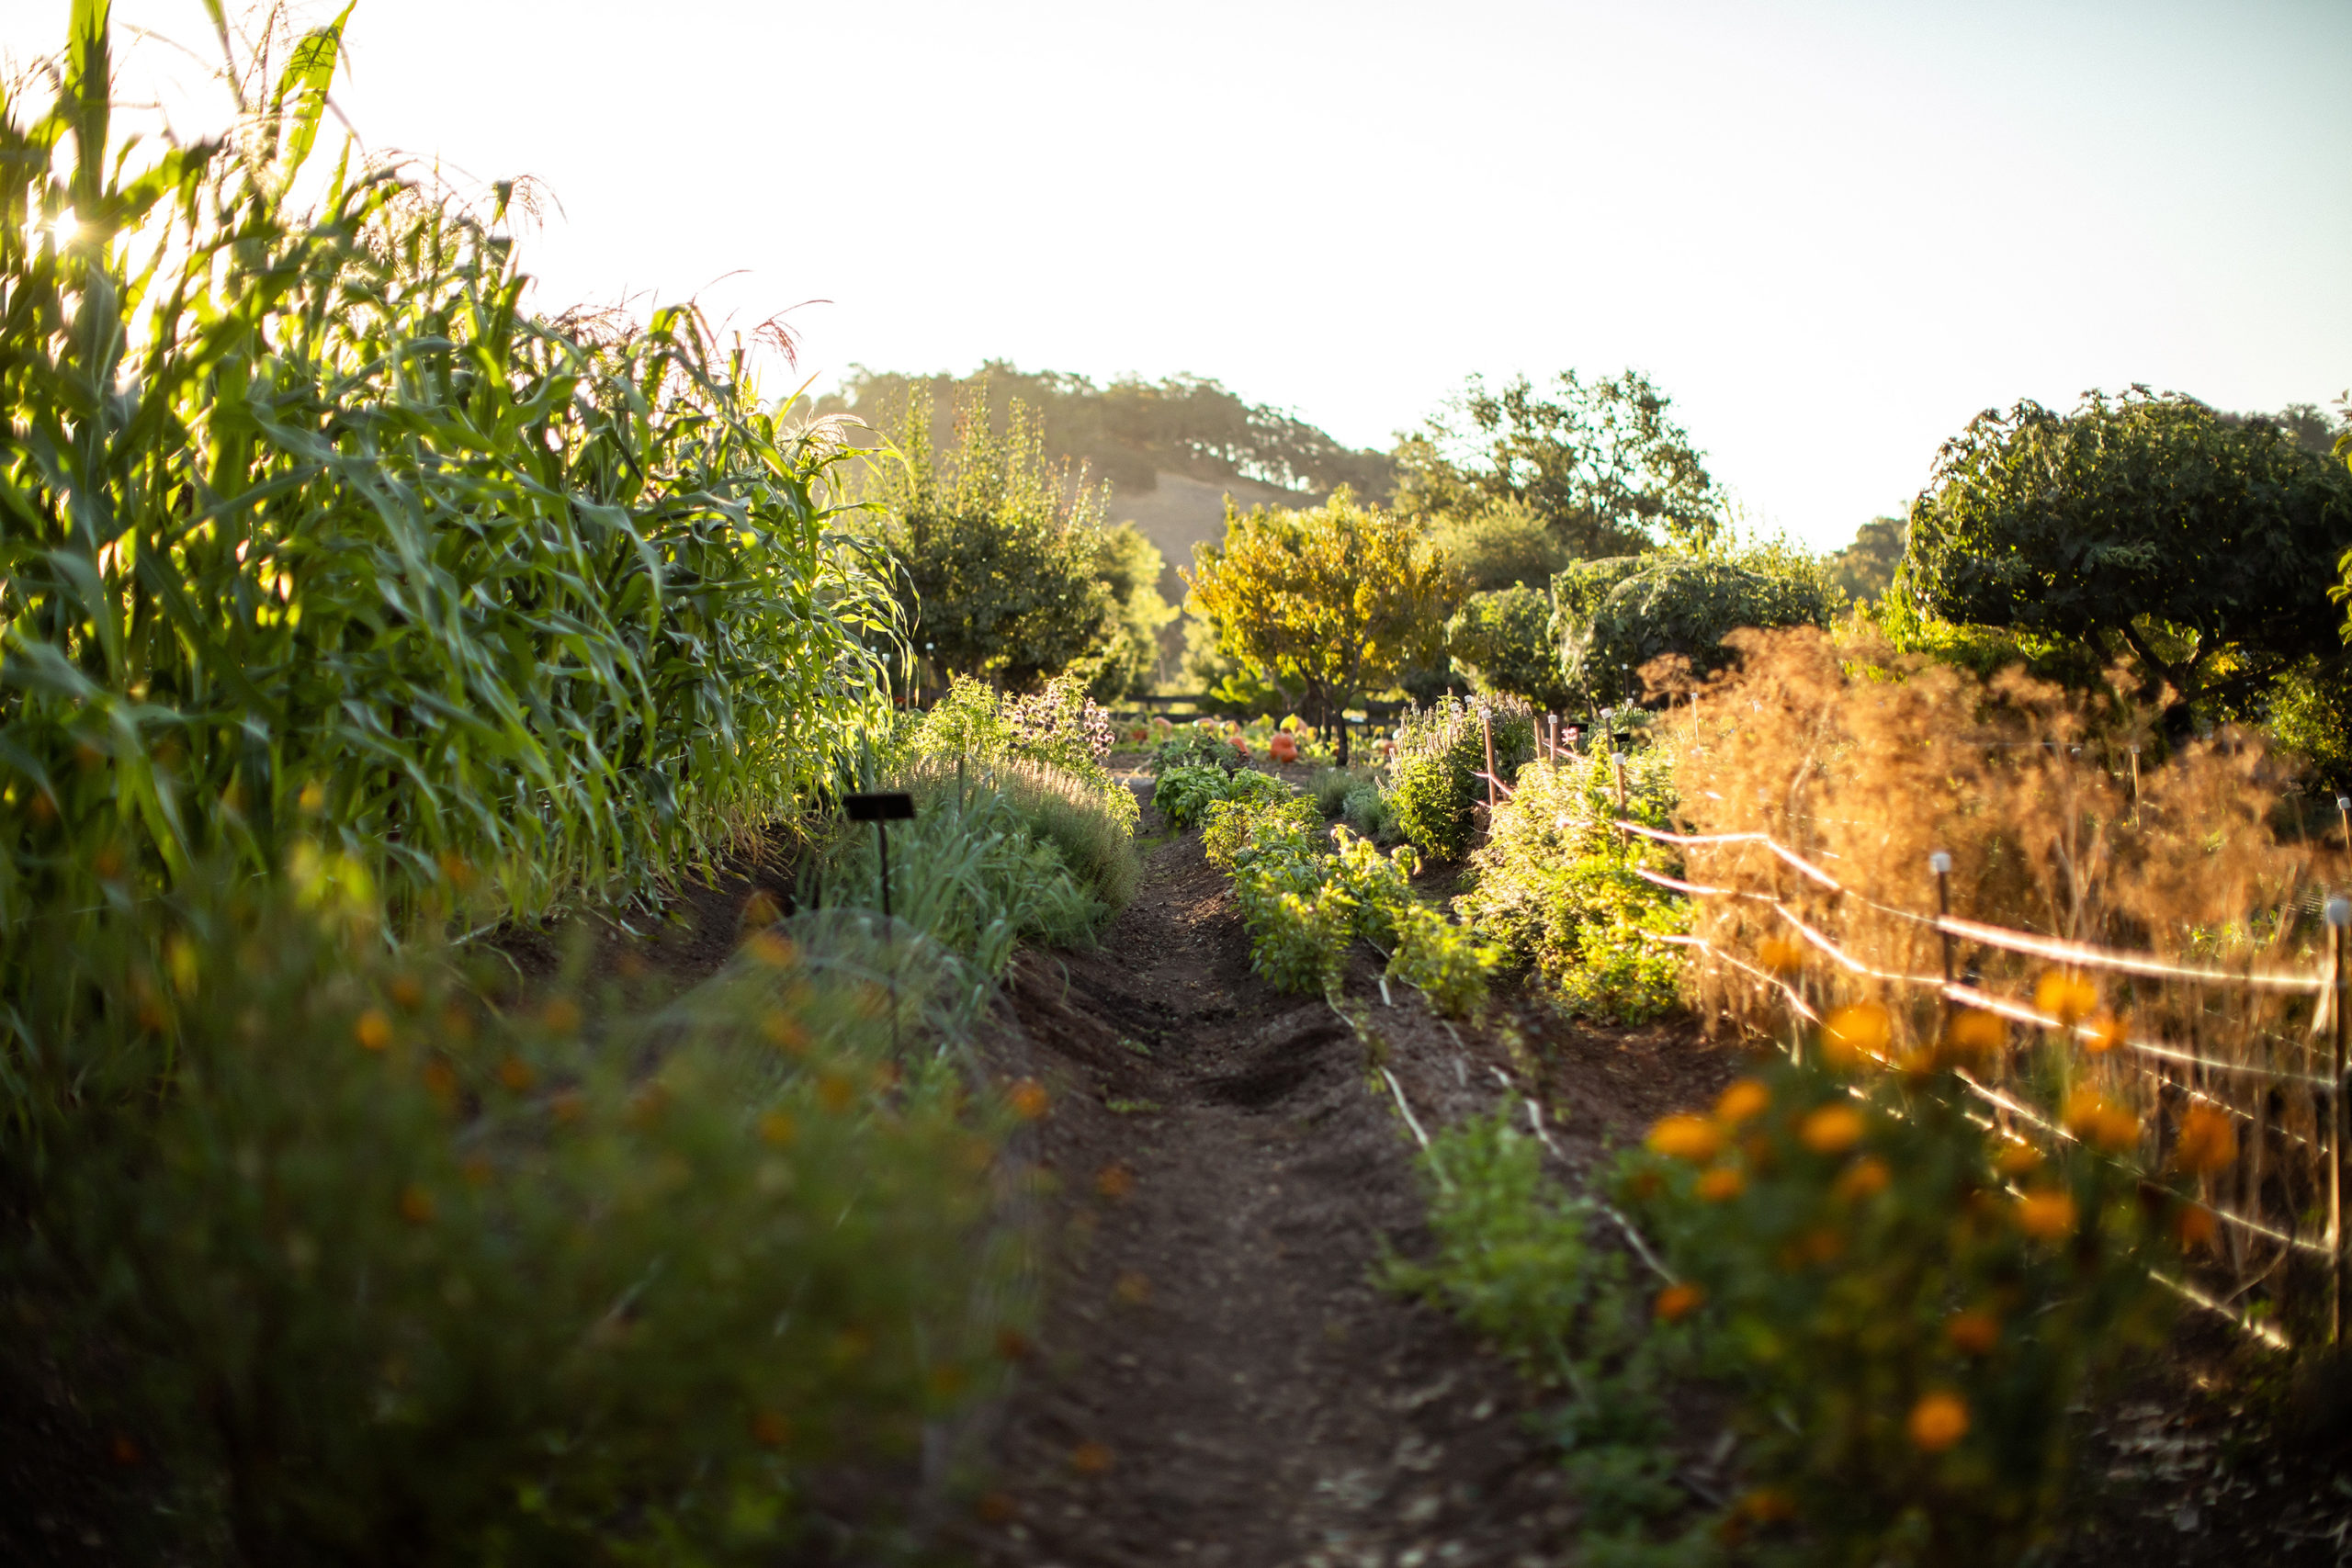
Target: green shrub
[[1330, 788], [392, 1277], [1904, 1306], [1440, 752], [1367, 810], [1060, 729], [1503, 641], [1615, 616], [1382, 886], [1556, 886], [1189, 747], [1443, 961], [1184, 795]]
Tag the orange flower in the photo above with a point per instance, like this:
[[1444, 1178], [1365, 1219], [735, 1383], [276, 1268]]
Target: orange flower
[[1030, 1099], [2208, 1142], [1865, 1178], [568, 1106], [1693, 1138], [2099, 1122], [2064, 997], [770, 1429], [769, 950], [562, 1015], [1114, 1182], [2046, 1215], [2018, 1159], [1722, 1184], [1831, 1129], [416, 1205], [1973, 1333], [406, 992], [1767, 1505], [778, 1128], [2107, 1034], [1745, 1099], [373, 1030], [2194, 1225], [1090, 1459], [835, 1092], [1678, 1302], [1823, 1245], [1780, 955], [441, 1082], [1938, 1422], [1971, 1034], [1853, 1033], [786, 1032], [516, 1074]]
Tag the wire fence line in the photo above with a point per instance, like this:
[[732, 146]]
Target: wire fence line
[[2180, 1073]]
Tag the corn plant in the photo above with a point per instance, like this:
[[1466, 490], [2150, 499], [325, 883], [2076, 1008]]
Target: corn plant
[[308, 529]]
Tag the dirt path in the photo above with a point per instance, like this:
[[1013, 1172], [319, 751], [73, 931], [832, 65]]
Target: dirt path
[[1218, 1379]]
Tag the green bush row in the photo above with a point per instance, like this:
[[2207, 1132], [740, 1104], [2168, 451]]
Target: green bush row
[[1186, 791]]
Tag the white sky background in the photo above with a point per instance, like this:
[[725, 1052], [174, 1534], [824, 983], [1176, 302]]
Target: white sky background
[[1831, 232]]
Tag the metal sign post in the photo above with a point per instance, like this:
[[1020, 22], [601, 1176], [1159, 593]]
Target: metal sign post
[[882, 809]]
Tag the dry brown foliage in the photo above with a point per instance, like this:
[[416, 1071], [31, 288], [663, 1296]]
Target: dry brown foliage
[[1866, 761]]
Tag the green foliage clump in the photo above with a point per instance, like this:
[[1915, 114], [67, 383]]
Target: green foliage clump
[[388, 1275], [1502, 640], [1615, 616], [1184, 795], [1556, 886], [1904, 1305], [1444, 962], [1500, 544], [1516, 1261], [1060, 728], [1440, 752], [1304, 907], [1368, 811], [312, 531], [2310, 714], [1189, 746]]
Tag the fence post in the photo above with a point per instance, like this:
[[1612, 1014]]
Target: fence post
[[1940, 864], [2339, 916], [2135, 786], [2344, 810], [1487, 733]]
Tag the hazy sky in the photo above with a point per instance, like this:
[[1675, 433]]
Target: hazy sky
[[1832, 232]]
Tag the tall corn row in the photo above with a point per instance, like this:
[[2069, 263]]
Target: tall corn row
[[307, 531]]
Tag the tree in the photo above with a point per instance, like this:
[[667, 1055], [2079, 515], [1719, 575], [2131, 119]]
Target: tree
[[1601, 462], [1499, 545], [1613, 616], [1129, 566], [1001, 557], [1865, 569], [1503, 641], [1324, 603], [2145, 525]]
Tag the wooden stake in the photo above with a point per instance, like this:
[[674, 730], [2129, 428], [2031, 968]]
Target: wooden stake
[[2339, 916]]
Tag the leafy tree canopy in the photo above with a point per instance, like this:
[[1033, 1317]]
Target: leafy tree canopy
[[1601, 462], [1865, 569], [1007, 572], [1325, 602], [2199, 544], [1129, 431], [1503, 641], [1612, 616]]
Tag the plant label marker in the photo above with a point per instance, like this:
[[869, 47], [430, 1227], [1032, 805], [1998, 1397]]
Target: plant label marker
[[882, 809]]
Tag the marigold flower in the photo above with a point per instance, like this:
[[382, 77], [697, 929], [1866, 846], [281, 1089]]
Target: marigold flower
[[406, 992], [1780, 955], [1865, 1178], [1114, 1182], [1029, 1100], [1855, 1032], [835, 1092], [2065, 997], [1831, 1129], [568, 1106], [2107, 1034], [1090, 1459], [1745, 1099], [1938, 1422], [770, 1429], [1768, 1504], [778, 1128], [2194, 1225], [562, 1015], [1973, 1333], [769, 950], [1721, 1183], [416, 1205], [2208, 1142], [1823, 1245], [2018, 1159], [1971, 1033], [373, 1030], [1693, 1138], [2046, 1215], [440, 1081], [1678, 1302], [786, 1032], [516, 1074], [2099, 1122]]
